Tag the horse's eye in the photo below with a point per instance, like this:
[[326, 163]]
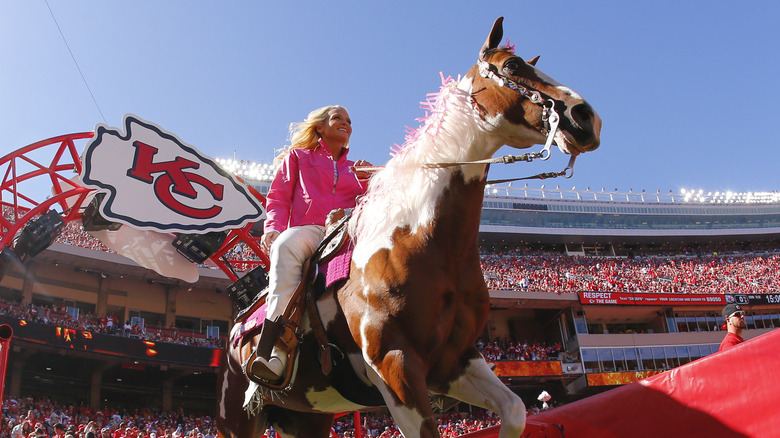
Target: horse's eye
[[511, 66]]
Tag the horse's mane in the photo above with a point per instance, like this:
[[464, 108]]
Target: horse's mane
[[404, 193]]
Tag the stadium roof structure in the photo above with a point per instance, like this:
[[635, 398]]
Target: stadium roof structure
[[521, 215], [513, 215]]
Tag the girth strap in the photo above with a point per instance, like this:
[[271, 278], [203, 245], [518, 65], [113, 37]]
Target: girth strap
[[319, 333]]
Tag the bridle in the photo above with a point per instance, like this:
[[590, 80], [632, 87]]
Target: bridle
[[550, 119]]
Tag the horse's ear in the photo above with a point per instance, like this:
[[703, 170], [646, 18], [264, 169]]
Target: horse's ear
[[494, 39], [533, 61]]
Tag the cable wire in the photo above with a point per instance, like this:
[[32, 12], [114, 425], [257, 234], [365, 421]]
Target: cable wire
[[75, 62]]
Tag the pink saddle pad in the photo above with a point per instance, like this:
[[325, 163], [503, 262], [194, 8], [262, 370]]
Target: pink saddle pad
[[252, 322], [337, 268]]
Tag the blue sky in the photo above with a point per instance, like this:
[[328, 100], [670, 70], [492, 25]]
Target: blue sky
[[687, 90]]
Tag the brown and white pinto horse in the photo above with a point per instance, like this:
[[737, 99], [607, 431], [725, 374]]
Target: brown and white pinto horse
[[408, 316]]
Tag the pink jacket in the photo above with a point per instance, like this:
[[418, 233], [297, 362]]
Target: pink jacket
[[306, 188]]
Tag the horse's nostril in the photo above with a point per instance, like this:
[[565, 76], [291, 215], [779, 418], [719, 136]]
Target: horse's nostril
[[583, 115]]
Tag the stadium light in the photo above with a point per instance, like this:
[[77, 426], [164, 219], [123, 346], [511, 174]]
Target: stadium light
[[198, 247], [39, 234], [688, 195], [249, 170], [244, 291]]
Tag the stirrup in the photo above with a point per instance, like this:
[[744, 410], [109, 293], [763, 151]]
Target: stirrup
[[279, 334], [257, 371], [271, 370]]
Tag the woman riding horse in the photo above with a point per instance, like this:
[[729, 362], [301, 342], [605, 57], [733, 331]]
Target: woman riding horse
[[313, 178], [415, 300]]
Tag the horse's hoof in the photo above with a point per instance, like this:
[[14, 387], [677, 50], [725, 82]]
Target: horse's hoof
[[269, 370]]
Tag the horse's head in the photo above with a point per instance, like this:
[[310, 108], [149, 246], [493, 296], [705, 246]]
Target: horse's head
[[521, 103]]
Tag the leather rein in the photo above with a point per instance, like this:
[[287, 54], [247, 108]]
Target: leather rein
[[550, 118]]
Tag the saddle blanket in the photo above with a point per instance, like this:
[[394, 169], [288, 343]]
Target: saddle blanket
[[334, 270], [249, 325], [337, 268]]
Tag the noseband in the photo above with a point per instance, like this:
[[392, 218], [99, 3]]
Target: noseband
[[550, 117]]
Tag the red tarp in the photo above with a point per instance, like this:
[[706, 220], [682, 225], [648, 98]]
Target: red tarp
[[735, 393]]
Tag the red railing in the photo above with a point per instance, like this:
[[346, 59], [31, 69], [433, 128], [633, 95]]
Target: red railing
[[53, 164], [6, 333]]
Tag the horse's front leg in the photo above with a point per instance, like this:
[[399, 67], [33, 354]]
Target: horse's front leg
[[479, 386], [400, 377], [232, 420]]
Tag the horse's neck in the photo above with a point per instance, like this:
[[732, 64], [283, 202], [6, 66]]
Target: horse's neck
[[459, 209], [407, 195]]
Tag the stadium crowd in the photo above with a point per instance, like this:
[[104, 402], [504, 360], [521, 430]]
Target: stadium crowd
[[382, 426], [39, 417], [109, 325], [508, 349], [240, 255], [494, 350], [738, 272], [74, 234], [735, 273], [35, 417]]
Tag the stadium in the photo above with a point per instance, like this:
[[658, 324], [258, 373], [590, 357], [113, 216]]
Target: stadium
[[589, 290]]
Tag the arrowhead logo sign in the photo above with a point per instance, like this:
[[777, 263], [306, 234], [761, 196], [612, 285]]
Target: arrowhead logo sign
[[154, 181]]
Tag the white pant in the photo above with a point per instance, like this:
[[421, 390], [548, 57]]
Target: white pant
[[288, 252]]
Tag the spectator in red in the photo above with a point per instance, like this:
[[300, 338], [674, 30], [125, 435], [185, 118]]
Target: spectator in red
[[735, 324], [59, 431]]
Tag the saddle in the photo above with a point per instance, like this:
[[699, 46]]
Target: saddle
[[283, 332]]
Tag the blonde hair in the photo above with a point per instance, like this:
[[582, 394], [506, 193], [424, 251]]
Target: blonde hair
[[304, 135]]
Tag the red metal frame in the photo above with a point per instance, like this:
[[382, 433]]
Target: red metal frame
[[355, 422], [6, 333], [18, 207], [20, 167], [69, 197]]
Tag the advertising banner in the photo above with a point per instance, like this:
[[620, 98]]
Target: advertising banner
[[645, 299], [608, 379], [527, 368], [118, 346]]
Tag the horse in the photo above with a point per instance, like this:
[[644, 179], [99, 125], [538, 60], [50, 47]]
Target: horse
[[408, 315]]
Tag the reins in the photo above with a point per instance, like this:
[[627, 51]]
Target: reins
[[550, 118], [567, 172], [509, 159]]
